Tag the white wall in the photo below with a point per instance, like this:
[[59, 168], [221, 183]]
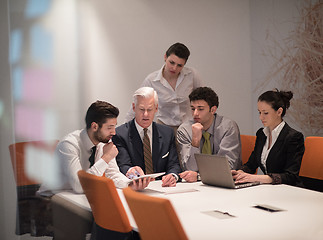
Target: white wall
[[121, 42], [271, 23]]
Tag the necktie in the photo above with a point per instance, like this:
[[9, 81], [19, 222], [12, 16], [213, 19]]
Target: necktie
[[147, 153], [207, 144], [91, 158]]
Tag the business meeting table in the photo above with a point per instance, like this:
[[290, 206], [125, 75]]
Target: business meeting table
[[208, 212]]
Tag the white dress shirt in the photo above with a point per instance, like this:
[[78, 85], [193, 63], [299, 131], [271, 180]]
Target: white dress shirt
[[149, 133], [74, 152], [173, 105], [274, 135]]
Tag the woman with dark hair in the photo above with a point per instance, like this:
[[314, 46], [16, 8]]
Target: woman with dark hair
[[279, 148]]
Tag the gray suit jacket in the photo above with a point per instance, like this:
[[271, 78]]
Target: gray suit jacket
[[225, 141]]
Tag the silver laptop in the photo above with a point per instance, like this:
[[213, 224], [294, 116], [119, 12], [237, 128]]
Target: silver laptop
[[215, 170]]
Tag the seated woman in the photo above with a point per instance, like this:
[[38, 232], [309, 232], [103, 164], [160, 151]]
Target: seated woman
[[279, 148]]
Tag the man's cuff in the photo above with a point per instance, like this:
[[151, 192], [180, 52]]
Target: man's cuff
[[175, 176]]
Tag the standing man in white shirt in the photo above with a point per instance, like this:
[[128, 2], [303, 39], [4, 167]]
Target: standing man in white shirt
[[74, 150], [173, 83]]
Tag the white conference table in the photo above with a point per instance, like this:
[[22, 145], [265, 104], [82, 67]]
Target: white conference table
[[302, 217]]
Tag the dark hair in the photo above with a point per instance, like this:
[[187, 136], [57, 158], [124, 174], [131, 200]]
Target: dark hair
[[277, 99], [99, 111], [180, 50], [206, 94]]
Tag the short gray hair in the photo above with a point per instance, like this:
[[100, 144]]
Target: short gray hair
[[146, 92]]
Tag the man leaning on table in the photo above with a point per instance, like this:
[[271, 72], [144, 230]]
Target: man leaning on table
[[91, 149], [145, 146], [207, 133]]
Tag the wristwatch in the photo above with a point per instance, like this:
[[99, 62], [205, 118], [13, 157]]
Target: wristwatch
[[198, 176]]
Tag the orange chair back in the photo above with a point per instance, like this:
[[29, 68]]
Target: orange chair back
[[145, 209], [17, 155], [107, 208], [312, 162], [247, 146]]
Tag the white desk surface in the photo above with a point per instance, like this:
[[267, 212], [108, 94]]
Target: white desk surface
[[302, 218]]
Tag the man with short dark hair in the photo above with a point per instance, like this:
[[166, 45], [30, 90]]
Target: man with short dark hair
[[207, 133], [92, 150]]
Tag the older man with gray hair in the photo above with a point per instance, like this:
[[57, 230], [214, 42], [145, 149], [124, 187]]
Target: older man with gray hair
[[145, 146]]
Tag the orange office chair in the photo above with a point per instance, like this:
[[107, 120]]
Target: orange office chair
[[17, 154], [145, 209], [247, 146], [311, 170], [111, 220], [33, 212]]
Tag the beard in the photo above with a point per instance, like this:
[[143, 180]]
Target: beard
[[100, 138]]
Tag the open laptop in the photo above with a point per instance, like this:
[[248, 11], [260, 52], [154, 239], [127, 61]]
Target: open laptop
[[215, 170]]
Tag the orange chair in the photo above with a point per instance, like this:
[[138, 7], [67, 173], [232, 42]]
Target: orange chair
[[311, 171], [312, 162], [34, 214], [109, 214], [17, 154], [145, 209], [247, 146]]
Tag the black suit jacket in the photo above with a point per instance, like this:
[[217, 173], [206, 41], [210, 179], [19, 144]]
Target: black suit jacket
[[284, 159], [130, 147]]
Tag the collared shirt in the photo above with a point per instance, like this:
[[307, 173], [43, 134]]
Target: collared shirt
[[150, 135], [173, 105], [225, 141], [210, 130], [74, 152], [141, 133], [274, 135]]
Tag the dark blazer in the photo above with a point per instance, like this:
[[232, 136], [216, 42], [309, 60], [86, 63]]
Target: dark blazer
[[284, 159], [130, 147]]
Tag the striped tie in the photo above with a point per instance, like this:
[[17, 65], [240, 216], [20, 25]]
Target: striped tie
[[147, 153]]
